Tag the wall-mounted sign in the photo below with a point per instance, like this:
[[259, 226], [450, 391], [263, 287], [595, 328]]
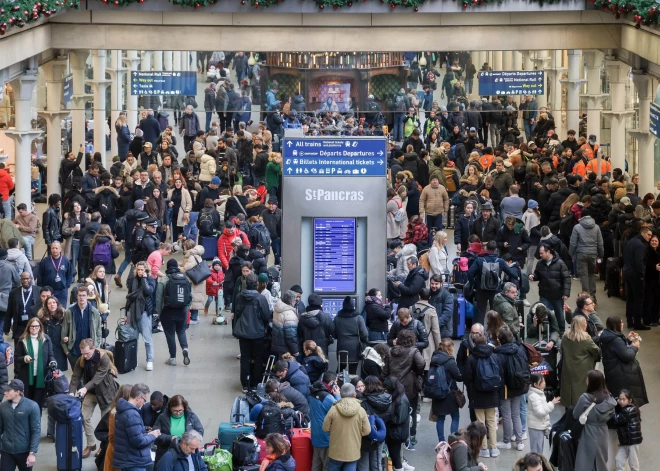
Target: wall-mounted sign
[[163, 83], [512, 83], [67, 88], [655, 119]]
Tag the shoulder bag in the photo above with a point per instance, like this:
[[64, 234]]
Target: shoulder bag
[[199, 272]]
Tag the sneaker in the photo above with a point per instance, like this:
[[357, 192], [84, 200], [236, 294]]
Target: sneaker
[[407, 467], [186, 357], [494, 452], [193, 322], [504, 446], [408, 445], [413, 438], [427, 399], [520, 446], [419, 419], [171, 361], [484, 453], [526, 303], [238, 357], [150, 366], [524, 437], [245, 390]]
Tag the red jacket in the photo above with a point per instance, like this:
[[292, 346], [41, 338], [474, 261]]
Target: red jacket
[[216, 277], [224, 245], [6, 184]]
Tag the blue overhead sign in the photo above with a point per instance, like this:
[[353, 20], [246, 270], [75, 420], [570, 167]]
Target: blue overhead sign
[[530, 82], [334, 157], [655, 119], [163, 83], [67, 89]]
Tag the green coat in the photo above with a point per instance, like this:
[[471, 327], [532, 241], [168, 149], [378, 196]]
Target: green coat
[[273, 175], [581, 357], [506, 308]]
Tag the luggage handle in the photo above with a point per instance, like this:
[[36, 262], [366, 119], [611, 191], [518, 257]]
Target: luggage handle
[[269, 367]]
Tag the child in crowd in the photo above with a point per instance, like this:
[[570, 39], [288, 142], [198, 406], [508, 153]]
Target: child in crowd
[[538, 418], [214, 287], [628, 423]]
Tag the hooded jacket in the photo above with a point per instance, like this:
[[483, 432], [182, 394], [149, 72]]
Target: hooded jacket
[[407, 365], [506, 308], [479, 399], [320, 401], [347, 422], [622, 370], [634, 257], [315, 367], [285, 329], [474, 272], [554, 278], [132, 442], [587, 239], [297, 377], [316, 325], [443, 302], [410, 288], [415, 326], [17, 258], [224, 245], [446, 406], [351, 332], [538, 409], [378, 314], [517, 239], [557, 247], [251, 315]]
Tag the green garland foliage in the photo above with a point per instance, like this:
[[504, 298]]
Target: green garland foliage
[[645, 12], [23, 12]]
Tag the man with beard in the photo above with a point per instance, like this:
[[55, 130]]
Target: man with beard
[[443, 302]]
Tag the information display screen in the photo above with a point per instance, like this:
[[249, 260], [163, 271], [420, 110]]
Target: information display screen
[[332, 306], [334, 255]]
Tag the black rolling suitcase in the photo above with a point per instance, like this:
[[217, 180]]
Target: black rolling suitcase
[[126, 355], [613, 277], [567, 451]]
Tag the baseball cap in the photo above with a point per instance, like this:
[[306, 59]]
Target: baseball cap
[[625, 200], [138, 204], [16, 385], [147, 144], [473, 129]]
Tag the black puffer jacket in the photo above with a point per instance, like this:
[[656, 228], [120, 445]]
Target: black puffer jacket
[[351, 332], [504, 355], [377, 315], [410, 288], [517, 238], [554, 278], [628, 424], [380, 404], [622, 370], [556, 200], [415, 326], [259, 263], [316, 325]]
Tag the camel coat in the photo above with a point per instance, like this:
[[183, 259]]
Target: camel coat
[[186, 205], [190, 259]]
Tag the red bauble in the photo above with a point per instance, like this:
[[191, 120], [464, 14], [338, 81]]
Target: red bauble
[[475, 2], [38, 5], [350, 4], [14, 8], [321, 7], [242, 2], [464, 6], [416, 10], [2, 11], [116, 3], [393, 6], [47, 14], [637, 18], [197, 5], [26, 13]]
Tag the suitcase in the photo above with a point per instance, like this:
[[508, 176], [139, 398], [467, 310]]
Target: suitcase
[[261, 387], [240, 410], [451, 217], [567, 451], [458, 323], [612, 277], [262, 450], [548, 367], [210, 245], [126, 355], [301, 448], [228, 432], [342, 373], [69, 445]]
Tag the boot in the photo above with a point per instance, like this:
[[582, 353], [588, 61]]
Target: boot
[[206, 310], [117, 279]]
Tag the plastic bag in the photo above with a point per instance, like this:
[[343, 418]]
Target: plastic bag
[[220, 461]]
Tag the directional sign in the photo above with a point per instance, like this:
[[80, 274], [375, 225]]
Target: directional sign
[[655, 119], [334, 157], [67, 88], [163, 83], [530, 82]]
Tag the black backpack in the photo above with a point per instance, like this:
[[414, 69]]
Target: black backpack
[[244, 451], [120, 229], [490, 276], [106, 205], [178, 291], [262, 236], [270, 420], [136, 243], [419, 313], [517, 374], [205, 224]]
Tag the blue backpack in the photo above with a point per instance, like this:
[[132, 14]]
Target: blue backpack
[[488, 374], [436, 384]]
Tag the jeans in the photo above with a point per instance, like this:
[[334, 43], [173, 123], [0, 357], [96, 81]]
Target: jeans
[[557, 306], [145, 327], [523, 412], [29, 245], [440, 425], [413, 405], [494, 130], [174, 325], [397, 131], [341, 465], [487, 417], [6, 207], [536, 439], [75, 254], [530, 260], [217, 299], [468, 85], [370, 460], [252, 361], [510, 409], [209, 116], [529, 129], [194, 315], [276, 244], [628, 453], [127, 259], [586, 267], [133, 469]]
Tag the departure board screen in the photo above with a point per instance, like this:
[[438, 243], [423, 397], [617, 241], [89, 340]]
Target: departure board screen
[[334, 255]]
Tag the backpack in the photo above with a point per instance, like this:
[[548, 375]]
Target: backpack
[[490, 276], [178, 291], [452, 82], [451, 183], [205, 224], [460, 270], [372, 106], [567, 224], [240, 410], [262, 235], [452, 153], [488, 374], [437, 384], [8, 351], [120, 229], [244, 451], [106, 205], [102, 254], [419, 313], [430, 77], [400, 214], [517, 374], [400, 104], [269, 420], [87, 239]]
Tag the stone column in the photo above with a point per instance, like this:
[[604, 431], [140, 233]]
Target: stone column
[[99, 84], [573, 84], [54, 113], [168, 60], [594, 95], [497, 60], [527, 60], [176, 60], [540, 61], [131, 61], [507, 60], [23, 134], [554, 82], [79, 99], [618, 72], [645, 140], [193, 61], [117, 72]]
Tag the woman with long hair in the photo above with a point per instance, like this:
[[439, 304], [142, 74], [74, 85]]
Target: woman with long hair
[[314, 361], [376, 401], [643, 210], [397, 426], [156, 207], [124, 392], [439, 255], [465, 452], [101, 283], [651, 306], [52, 316], [566, 206], [447, 406], [472, 171], [123, 136], [236, 204], [181, 204], [176, 419], [74, 223], [494, 323], [583, 354], [34, 352], [103, 251], [533, 184], [532, 220], [597, 404], [128, 167], [394, 203]]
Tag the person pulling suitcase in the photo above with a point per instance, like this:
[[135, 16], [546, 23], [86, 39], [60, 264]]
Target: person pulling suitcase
[[20, 429]]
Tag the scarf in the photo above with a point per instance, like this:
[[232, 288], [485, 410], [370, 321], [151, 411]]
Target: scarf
[[267, 461], [373, 299], [40, 363]]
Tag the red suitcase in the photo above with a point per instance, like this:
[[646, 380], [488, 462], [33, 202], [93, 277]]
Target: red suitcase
[[262, 450], [301, 448]]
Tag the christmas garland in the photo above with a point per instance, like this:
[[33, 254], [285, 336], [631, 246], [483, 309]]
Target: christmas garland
[[23, 12], [645, 12]]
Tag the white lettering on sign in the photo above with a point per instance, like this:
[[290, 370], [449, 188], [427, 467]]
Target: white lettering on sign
[[334, 195]]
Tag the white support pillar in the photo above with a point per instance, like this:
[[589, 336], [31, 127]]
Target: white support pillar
[[554, 81], [517, 60], [53, 114], [176, 60], [99, 84], [573, 84], [618, 72], [645, 140], [594, 95], [22, 134], [193, 61], [132, 60], [507, 60], [527, 60], [117, 72], [168, 60], [79, 99], [540, 61], [497, 60]]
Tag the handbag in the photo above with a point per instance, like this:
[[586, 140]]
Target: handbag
[[125, 332], [585, 414], [459, 397], [199, 272]]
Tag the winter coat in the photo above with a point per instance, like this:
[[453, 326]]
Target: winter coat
[[285, 329], [393, 227], [415, 326], [347, 422], [446, 406], [506, 308], [486, 230], [351, 332], [592, 447], [151, 128], [123, 141], [430, 321], [297, 377], [17, 258], [69, 327], [320, 401], [175, 460], [295, 397], [533, 331], [628, 424], [378, 315], [251, 315], [583, 357], [186, 205], [316, 325], [206, 168], [132, 442], [315, 367], [216, 277], [190, 260], [503, 354], [54, 330], [407, 365], [443, 302], [538, 409], [225, 252], [478, 399], [553, 205], [518, 242], [23, 370], [163, 423], [586, 238], [554, 278], [15, 425], [634, 258], [99, 377], [433, 201], [401, 270], [410, 288], [622, 370], [439, 260], [557, 247], [463, 229]]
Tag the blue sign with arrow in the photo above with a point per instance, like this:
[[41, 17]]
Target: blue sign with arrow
[[524, 82], [67, 88], [163, 83], [334, 157], [654, 122]]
